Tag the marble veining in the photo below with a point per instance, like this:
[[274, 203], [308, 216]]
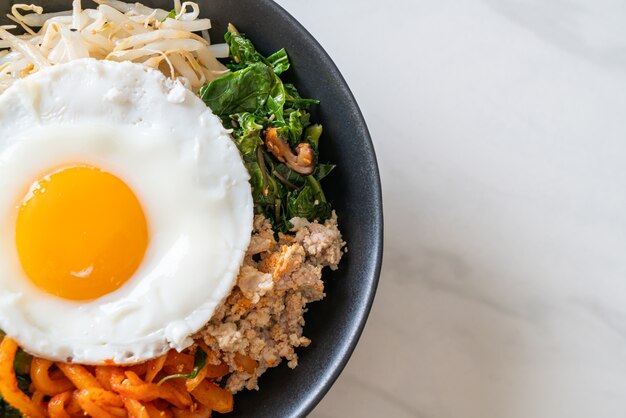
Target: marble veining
[[500, 130]]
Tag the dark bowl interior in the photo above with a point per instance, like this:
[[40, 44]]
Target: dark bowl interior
[[334, 324]]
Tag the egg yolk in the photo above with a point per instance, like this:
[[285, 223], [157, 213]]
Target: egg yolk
[[81, 233]]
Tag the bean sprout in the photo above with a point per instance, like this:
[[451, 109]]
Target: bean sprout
[[115, 31]]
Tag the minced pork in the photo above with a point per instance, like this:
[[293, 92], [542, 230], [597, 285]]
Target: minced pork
[[263, 316]]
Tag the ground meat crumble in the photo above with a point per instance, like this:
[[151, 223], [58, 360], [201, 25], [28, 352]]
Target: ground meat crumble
[[263, 316]]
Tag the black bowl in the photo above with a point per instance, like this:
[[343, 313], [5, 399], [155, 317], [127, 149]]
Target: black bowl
[[334, 324]]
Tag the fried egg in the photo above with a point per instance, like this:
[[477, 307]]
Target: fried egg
[[125, 211]]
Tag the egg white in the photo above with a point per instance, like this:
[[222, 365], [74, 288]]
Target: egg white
[[175, 155]]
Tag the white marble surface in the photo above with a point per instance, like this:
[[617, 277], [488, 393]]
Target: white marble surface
[[500, 127]]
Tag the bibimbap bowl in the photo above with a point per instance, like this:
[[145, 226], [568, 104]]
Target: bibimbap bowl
[[335, 323]]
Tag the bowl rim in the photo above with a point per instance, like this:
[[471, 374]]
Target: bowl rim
[[346, 347]]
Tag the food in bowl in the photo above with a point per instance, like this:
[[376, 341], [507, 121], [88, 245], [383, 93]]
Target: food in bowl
[[169, 222]]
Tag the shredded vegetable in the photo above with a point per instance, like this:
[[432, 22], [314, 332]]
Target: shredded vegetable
[[115, 31]]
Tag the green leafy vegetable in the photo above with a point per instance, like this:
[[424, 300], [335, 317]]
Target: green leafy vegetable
[[309, 202], [252, 98], [22, 373], [7, 411], [279, 61], [246, 90], [242, 51], [170, 15], [312, 135], [22, 362], [322, 170], [295, 100], [198, 363]]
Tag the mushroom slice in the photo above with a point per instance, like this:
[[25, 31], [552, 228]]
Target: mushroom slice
[[302, 161]]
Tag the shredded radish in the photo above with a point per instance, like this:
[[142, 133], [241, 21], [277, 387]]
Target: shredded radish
[[115, 31]]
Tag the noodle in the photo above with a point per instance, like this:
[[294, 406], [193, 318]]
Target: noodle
[[56, 406], [114, 391], [8, 382], [40, 376]]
